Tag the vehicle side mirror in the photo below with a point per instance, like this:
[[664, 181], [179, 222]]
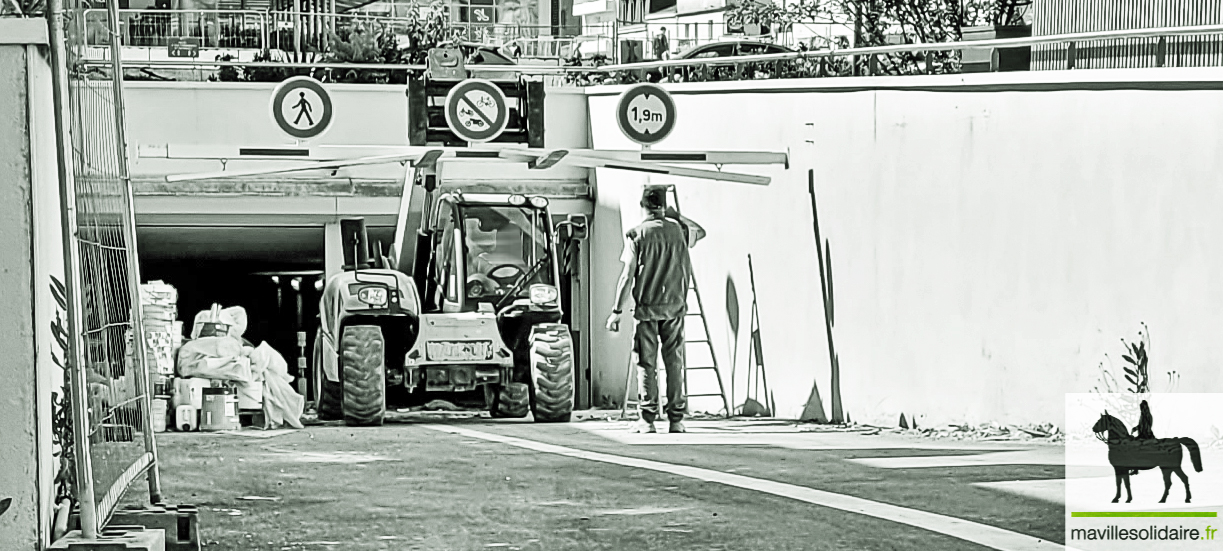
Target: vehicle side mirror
[[578, 225]]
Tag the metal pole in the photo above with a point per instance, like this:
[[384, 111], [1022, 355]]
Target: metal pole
[[75, 377], [297, 30], [133, 259]]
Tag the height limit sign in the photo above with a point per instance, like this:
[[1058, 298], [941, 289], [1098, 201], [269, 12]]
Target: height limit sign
[[646, 114]]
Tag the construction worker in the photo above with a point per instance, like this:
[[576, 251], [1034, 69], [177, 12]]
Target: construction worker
[[657, 270]]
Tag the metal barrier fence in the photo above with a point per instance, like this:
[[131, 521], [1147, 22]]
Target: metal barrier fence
[[111, 395]]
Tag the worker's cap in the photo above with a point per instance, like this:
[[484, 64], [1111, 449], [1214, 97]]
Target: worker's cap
[[654, 198]]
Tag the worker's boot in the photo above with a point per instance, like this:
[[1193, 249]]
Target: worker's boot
[[677, 427], [643, 426]]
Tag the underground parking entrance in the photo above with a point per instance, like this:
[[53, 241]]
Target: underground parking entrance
[[277, 275]]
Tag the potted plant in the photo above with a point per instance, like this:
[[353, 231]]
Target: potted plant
[[995, 19]]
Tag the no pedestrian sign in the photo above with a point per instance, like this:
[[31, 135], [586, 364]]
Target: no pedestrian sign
[[646, 113], [301, 107], [476, 110]]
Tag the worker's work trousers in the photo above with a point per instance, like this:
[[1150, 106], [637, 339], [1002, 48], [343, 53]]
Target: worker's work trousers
[[645, 343]]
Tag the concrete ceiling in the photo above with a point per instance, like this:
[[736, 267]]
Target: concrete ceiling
[[285, 247]]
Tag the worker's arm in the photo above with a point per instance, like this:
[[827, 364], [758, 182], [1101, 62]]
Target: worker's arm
[[623, 287], [695, 231]]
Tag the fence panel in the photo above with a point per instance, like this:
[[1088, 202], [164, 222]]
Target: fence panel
[[112, 425], [1071, 16]]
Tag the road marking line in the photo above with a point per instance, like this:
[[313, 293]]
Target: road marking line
[[989, 536], [1023, 457], [1051, 490]]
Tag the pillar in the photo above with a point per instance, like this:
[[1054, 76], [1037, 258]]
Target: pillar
[[31, 262], [333, 249]]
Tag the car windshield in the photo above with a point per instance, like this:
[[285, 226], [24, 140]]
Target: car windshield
[[504, 246]]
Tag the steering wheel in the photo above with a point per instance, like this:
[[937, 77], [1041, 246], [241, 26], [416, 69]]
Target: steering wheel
[[504, 273]]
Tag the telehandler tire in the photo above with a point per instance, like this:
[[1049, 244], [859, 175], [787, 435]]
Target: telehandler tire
[[364, 375], [551, 359], [508, 401], [330, 393]]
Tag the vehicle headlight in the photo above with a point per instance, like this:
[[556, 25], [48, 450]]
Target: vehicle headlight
[[544, 294], [518, 200], [373, 296], [539, 202]]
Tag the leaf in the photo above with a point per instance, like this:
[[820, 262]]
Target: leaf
[[1133, 372], [1127, 358], [1132, 380]]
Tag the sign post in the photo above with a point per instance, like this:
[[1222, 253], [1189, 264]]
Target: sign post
[[476, 110], [646, 114], [301, 107]]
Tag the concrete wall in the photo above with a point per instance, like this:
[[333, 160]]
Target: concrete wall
[[992, 236], [27, 254], [219, 118]]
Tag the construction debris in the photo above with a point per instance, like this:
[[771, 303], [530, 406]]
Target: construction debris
[[985, 432]]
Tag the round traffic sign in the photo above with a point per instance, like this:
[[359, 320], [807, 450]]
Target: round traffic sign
[[301, 107], [646, 113], [476, 110]]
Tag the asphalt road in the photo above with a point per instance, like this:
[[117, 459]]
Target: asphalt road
[[480, 484]]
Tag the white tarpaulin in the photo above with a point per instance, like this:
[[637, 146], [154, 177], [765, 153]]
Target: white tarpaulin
[[260, 374]]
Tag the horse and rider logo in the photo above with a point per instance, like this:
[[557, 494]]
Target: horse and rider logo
[[1138, 450]]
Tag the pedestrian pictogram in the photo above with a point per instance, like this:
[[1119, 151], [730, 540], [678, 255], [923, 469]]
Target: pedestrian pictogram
[[301, 107], [476, 110], [646, 113]]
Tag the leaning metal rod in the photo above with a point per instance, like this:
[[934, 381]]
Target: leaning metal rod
[[133, 259], [75, 377]]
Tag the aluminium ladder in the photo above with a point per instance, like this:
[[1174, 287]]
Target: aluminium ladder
[[693, 291]]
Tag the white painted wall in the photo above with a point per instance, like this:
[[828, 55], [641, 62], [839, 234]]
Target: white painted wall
[[989, 246], [32, 255]]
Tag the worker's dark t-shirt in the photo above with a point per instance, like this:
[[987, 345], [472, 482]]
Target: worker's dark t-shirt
[[660, 286]]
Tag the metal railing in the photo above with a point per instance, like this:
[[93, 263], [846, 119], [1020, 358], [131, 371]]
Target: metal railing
[[111, 402], [161, 28], [800, 64]]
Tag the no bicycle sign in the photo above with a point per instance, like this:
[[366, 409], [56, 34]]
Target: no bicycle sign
[[476, 110]]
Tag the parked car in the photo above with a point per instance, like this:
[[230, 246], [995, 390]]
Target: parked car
[[732, 48], [719, 70], [475, 53]]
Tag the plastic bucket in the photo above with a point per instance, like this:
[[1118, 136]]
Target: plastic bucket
[[220, 411], [159, 414]]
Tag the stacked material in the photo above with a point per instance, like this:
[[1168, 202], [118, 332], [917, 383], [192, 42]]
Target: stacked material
[[259, 374], [162, 331]]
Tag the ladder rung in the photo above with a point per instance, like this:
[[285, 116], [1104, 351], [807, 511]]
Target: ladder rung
[[697, 341], [704, 395]]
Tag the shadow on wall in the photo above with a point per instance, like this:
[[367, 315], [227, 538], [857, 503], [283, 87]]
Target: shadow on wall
[[5, 504], [814, 410], [758, 398]]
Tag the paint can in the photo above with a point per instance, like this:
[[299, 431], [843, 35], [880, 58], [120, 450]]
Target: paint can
[[186, 418], [220, 411], [190, 392], [159, 414]]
